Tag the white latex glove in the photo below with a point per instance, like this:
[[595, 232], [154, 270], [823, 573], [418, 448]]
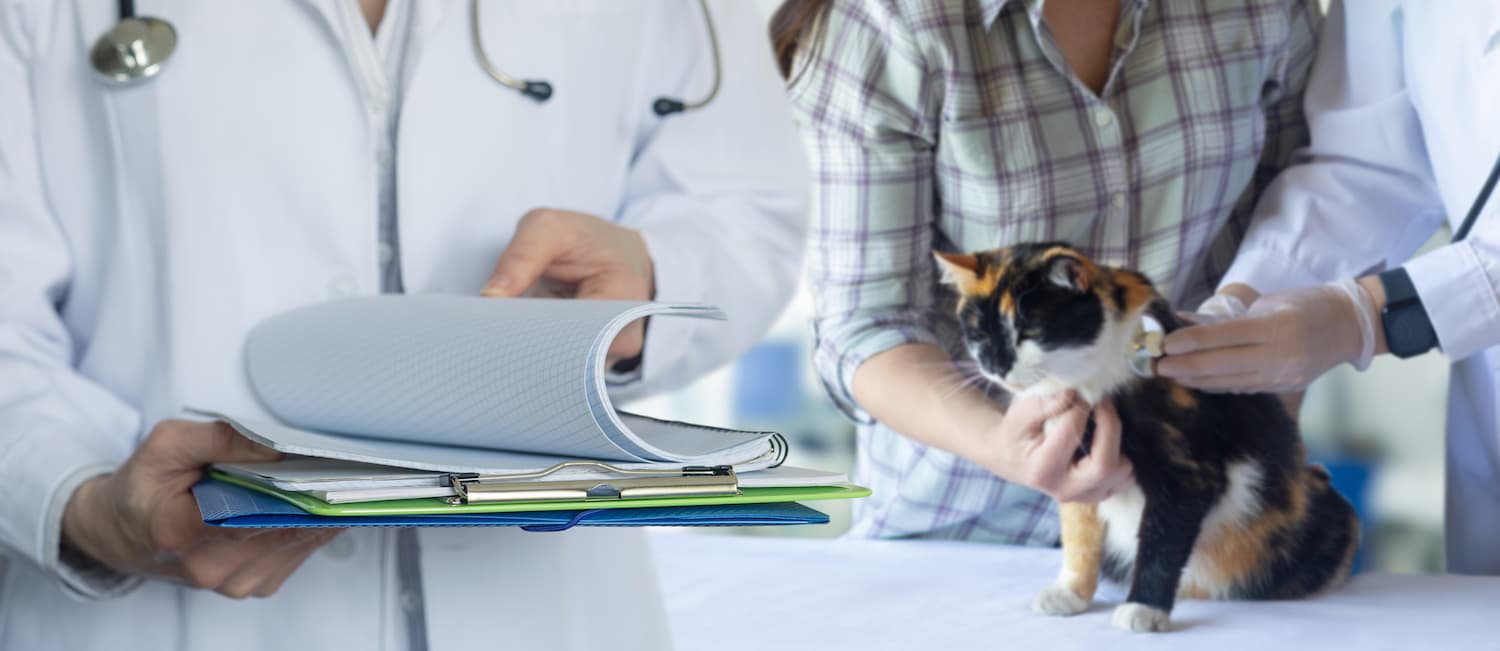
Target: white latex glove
[[1219, 307], [1281, 343]]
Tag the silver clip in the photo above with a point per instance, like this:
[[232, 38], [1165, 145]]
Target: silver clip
[[687, 481]]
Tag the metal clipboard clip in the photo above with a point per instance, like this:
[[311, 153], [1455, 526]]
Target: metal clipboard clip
[[687, 481]]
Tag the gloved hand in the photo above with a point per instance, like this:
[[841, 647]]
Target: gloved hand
[[1282, 343], [1219, 307]]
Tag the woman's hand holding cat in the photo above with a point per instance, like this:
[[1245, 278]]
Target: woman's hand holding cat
[[1283, 342], [1038, 438]]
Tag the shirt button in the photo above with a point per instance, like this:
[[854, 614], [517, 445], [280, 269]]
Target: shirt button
[[1117, 200], [339, 548], [387, 252], [1103, 117], [341, 285]]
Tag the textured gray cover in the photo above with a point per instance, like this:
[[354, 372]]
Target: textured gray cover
[[523, 375]]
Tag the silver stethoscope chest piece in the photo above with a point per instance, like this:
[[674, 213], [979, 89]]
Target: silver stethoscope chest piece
[[134, 49]]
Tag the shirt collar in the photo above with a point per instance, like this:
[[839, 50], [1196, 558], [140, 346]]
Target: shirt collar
[[989, 10]]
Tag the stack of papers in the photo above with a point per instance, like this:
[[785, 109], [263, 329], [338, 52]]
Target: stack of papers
[[440, 410]]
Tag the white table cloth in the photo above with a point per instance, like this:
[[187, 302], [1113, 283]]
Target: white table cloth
[[727, 593]]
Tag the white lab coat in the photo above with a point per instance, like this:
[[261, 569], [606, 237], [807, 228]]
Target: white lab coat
[[144, 230], [1403, 105]]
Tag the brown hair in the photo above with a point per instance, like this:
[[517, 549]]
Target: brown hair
[[795, 25]]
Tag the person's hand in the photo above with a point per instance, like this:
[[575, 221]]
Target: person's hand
[[1038, 438], [1283, 342], [142, 518], [568, 254]]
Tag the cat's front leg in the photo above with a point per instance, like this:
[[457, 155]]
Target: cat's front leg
[[1083, 548], [1169, 529]]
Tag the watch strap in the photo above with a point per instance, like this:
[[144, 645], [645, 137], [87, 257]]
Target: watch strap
[[1408, 328]]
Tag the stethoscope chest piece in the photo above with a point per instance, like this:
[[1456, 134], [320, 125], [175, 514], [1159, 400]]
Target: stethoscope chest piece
[[134, 49]]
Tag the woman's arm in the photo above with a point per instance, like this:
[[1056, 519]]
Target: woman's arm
[[870, 108], [916, 390]]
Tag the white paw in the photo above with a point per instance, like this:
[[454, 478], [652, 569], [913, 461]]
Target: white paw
[[1058, 600], [1140, 618]]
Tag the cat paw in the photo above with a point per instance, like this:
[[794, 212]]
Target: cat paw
[[1058, 600], [1140, 618]]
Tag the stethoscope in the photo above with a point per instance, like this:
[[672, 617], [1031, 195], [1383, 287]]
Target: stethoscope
[[137, 46]]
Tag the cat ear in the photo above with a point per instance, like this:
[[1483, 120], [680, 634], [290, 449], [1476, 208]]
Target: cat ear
[[959, 270], [1068, 272]]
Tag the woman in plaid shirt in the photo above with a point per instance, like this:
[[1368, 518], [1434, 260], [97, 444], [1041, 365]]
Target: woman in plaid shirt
[[1142, 131]]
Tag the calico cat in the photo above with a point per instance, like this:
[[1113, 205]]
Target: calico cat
[[1225, 505]]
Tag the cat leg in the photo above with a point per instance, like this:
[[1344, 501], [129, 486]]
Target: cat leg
[[1169, 529], [1083, 548]]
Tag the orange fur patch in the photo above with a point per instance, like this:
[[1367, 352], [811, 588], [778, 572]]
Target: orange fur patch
[[1137, 290], [1083, 547], [1181, 396], [1235, 552]]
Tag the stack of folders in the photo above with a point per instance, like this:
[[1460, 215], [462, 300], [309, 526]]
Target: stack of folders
[[457, 411]]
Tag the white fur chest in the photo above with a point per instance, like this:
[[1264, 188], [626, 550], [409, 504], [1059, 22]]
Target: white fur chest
[[1121, 515]]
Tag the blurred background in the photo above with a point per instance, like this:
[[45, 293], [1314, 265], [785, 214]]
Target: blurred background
[[1380, 432]]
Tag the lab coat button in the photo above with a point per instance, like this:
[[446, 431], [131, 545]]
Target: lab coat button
[[1103, 117], [410, 600], [383, 156], [341, 286], [339, 548], [386, 253]]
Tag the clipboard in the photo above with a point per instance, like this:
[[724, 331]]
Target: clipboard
[[440, 506]]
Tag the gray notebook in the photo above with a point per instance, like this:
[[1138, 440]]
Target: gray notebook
[[465, 384]]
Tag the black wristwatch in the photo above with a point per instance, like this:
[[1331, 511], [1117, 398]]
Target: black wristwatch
[[1408, 330]]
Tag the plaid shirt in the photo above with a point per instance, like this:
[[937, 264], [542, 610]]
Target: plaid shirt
[[957, 125]]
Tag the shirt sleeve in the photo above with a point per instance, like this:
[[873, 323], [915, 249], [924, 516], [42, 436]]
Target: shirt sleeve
[[57, 428], [719, 194], [1459, 285], [867, 103], [1357, 196]]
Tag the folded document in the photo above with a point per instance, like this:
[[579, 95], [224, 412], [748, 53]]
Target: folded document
[[454, 400]]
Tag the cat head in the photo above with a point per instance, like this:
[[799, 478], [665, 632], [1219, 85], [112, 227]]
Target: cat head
[[1045, 317]]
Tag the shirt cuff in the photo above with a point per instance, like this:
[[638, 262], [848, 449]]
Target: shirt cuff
[[82, 577], [837, 360], [1267, 271], [1459, 298]]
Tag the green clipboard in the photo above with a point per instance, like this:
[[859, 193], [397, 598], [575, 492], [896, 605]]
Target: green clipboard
[[440, 506]]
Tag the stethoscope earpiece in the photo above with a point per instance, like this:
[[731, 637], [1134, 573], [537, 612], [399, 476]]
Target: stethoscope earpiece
[[664, 106], [134, 49], [537, 89]]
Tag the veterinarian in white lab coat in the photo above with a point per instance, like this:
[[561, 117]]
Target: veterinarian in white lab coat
[[1403, 105], [144, 229]]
